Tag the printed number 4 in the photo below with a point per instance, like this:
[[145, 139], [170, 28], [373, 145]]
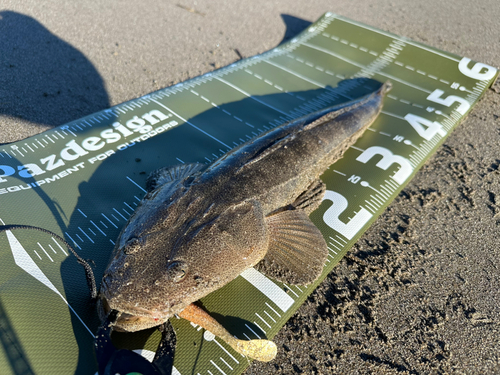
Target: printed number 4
[[425, 128]]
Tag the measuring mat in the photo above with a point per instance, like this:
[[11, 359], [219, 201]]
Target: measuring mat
[[83, 180]]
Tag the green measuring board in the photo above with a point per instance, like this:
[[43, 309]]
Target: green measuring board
[[84, 179]]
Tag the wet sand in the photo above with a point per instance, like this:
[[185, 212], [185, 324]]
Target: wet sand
[[420, 292]]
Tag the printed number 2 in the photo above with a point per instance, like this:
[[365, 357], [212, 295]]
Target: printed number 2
[[331, 216]]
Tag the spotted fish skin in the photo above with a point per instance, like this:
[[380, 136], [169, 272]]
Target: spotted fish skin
[[199, 227]]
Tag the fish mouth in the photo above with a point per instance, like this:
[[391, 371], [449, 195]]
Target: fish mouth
[[131, 319]]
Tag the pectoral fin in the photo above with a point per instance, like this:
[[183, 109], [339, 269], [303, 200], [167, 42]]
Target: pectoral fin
[[171, 175], [297, 250]]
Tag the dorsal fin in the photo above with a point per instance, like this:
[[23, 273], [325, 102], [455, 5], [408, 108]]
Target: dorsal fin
[[169, 175], [264, 152]]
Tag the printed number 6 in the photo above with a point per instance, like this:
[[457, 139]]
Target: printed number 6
[[331, 216], [475, 71]]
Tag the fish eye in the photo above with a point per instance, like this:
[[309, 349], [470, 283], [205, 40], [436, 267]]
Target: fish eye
[[132, 245], [177, 271]]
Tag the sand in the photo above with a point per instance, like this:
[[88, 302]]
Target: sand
[[420, 292]]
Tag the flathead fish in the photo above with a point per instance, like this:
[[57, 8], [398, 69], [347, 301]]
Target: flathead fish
[[198, 227]]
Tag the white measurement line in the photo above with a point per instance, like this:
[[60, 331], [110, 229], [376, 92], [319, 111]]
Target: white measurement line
[[336, 248], [393, 115], [383, 193], [23, 260], [90, 239], [217, 367], [423, 150], [268, 288], [136, 184], [333, 251], [74, 242], [118, 212], [288, 287], [37, 255], [227, 364], [363, 67], [113, 224], [375, 204], [99, 229], [220, 346], [341, 239], [263, 320], [41, 247], [357, 148], [251, 96], [392, 36], [57, 243], [254, 322], [59, 134], [273, 310], [191, 124], [339, 247], [251, 330], [51, 248], [295, 74], [126, 204], [341, 244], [370, 206], [393, 185], [82, 213], [270, 317], [414, 161], [376, 200], [386, 189]]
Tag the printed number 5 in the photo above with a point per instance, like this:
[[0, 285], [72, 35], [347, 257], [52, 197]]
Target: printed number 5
[[435, 97], [331, 216]]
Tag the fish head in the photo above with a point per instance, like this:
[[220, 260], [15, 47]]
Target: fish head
[[169, 257]]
